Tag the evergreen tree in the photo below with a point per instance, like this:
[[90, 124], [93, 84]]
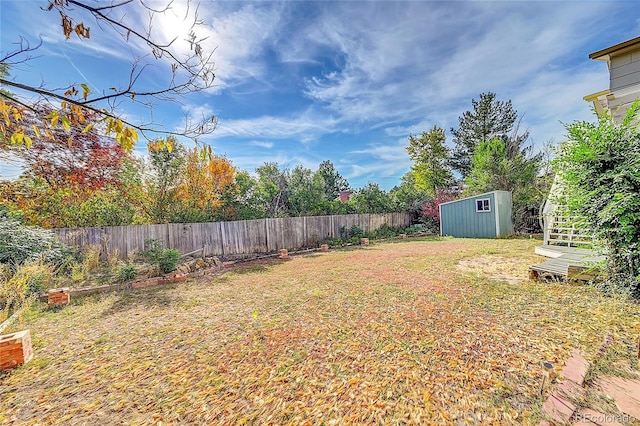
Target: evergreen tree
[[334, 182], [489, 119]]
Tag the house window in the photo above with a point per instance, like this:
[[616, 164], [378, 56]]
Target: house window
[[483, 205]]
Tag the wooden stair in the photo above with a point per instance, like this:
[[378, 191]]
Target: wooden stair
[[566, 263], [566, 231]]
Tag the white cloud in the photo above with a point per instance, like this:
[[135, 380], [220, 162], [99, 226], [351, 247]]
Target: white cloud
[[236, 35], [305, 127], [262, 144], [396, 153], [284, 160], [379, 160], [402, 68]]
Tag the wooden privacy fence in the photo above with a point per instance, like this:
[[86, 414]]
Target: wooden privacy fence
[[229, 239]]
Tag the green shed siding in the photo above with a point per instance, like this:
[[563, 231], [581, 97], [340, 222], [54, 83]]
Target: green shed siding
[[460, 218], [505, 213]]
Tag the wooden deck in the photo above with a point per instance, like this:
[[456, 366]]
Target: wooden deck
[[566, 263]]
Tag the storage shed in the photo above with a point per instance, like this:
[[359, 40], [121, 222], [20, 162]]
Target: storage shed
[[481, 216]]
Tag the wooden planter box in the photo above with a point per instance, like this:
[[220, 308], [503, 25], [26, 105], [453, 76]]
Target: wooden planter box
[[58, 296], [324, 247], [284, 253], [364, 241], [15, 349]]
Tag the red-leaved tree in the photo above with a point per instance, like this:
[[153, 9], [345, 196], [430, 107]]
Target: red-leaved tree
[[430, 212]]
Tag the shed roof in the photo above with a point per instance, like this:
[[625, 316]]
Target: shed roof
[[473, 196]]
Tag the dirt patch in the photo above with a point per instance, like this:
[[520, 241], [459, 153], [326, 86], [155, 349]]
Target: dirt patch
[[496, 267]]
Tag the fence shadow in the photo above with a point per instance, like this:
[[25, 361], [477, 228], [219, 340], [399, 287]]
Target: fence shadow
[[146, 298]]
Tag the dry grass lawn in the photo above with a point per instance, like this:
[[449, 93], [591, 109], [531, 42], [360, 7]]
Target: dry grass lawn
[[414, 332]]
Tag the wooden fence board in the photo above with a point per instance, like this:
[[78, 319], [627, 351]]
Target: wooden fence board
[[228, 238], [318, 229]]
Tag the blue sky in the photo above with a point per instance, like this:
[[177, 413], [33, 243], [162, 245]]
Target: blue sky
[[301, 82]]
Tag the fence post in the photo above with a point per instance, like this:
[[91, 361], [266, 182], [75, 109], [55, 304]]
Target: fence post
[[222, 239], [332, 234], [305, 241], [266, 231]]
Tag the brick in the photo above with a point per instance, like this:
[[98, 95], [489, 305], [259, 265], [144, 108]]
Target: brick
[[147, 283], [559, 406], [178, 278], [625, 393], [559, 410], [58, 296], [576, 368], [15, 349]]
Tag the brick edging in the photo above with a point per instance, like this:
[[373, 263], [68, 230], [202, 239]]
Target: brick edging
[[173, 278], [559, 407]]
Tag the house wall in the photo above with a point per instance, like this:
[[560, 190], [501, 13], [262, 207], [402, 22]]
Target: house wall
[[624, 70], [460, 219], [624, 82]]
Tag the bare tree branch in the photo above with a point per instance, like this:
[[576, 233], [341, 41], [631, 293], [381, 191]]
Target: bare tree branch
[[192, 73]]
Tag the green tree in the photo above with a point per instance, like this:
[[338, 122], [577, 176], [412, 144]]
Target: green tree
[[307, 195], [407, 196], [166, 168], [488, 119], [242, 200], [333, 181], [372, 199], [495, 167], [600, 168], [430, 156], [272, 190]]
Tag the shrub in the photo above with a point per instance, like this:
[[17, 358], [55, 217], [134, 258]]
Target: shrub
[[600, 167], [30, 278], [430, 214], [19, 243], [113, 258], [127, 273], [352, 233], [387, 231], [152, 250], [91, 258], [77, 272], [165, 259], [168, 260]]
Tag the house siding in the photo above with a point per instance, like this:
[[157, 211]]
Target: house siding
[[624, 71]]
